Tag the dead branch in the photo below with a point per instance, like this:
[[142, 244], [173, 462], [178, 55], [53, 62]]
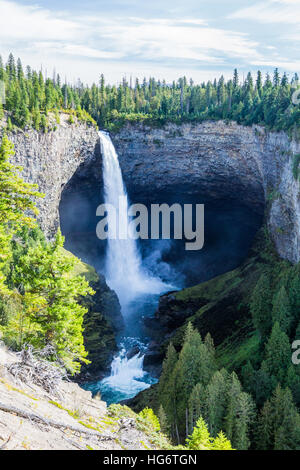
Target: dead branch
[[34, 367], [2, 447], [73, 443], [52, 423]]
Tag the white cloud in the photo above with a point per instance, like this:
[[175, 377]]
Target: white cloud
[[113, 38], [41, 30], [132, 45], [271, 11], [31, 22], [287, 65], [75, 50], [175, 39], [287, 2]]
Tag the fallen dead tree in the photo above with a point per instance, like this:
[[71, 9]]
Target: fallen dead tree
[[33, 367], [51, 423]]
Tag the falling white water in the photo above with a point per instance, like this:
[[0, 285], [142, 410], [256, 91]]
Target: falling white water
[[126, 379], [125, 275], [123, 268]]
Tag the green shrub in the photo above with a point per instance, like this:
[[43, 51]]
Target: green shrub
[[148, 415], [201, 439]]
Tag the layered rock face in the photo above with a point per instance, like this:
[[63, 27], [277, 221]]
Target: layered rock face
[[214, 159], [219, 161], [51, 159]]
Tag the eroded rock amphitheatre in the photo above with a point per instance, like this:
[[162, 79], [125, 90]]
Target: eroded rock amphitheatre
[[214, 159]]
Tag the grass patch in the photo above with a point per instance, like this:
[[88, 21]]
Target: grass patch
[[236, 351], [15, 389], [74, 414], [84, 269]]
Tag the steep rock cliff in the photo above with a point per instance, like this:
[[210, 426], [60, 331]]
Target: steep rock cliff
[[102, 320], [51, 159], [218, 160]]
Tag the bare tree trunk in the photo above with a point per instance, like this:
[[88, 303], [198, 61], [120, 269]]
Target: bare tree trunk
[[177, 434], [186, 422], [50, 422]]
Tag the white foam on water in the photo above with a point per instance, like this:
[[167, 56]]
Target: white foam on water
[[126, 375]]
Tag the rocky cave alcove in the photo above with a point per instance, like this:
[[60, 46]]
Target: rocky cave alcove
[[233, 213]]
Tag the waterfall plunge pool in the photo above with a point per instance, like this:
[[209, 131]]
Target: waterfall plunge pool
[[128, 377]]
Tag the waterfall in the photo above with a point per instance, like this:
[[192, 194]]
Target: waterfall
[[123, 268], [125, 275]]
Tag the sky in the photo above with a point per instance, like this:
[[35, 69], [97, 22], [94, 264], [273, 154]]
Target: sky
[[201, 39]]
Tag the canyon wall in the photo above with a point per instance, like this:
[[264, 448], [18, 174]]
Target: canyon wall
[[215, 159], [51, 159], [219, 161]]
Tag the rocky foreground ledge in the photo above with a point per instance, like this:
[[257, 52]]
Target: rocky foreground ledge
[[33, 419]]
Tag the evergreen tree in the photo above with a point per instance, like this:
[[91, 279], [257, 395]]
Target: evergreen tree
[[281, 311], [49, 289], [163, 420], [235, 79], [16, 203], [216, 401], [209, 343], [279, 423], [260, 385], [259, 82], [11, 67], [166, 388], [200, 439], [221, 442], [239, 413], [277, 354], [195, 364], [294, 293], [245, 415], [196, 405], [276, 78]]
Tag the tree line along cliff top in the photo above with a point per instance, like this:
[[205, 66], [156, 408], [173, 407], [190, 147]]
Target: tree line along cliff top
[[30, 96]]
